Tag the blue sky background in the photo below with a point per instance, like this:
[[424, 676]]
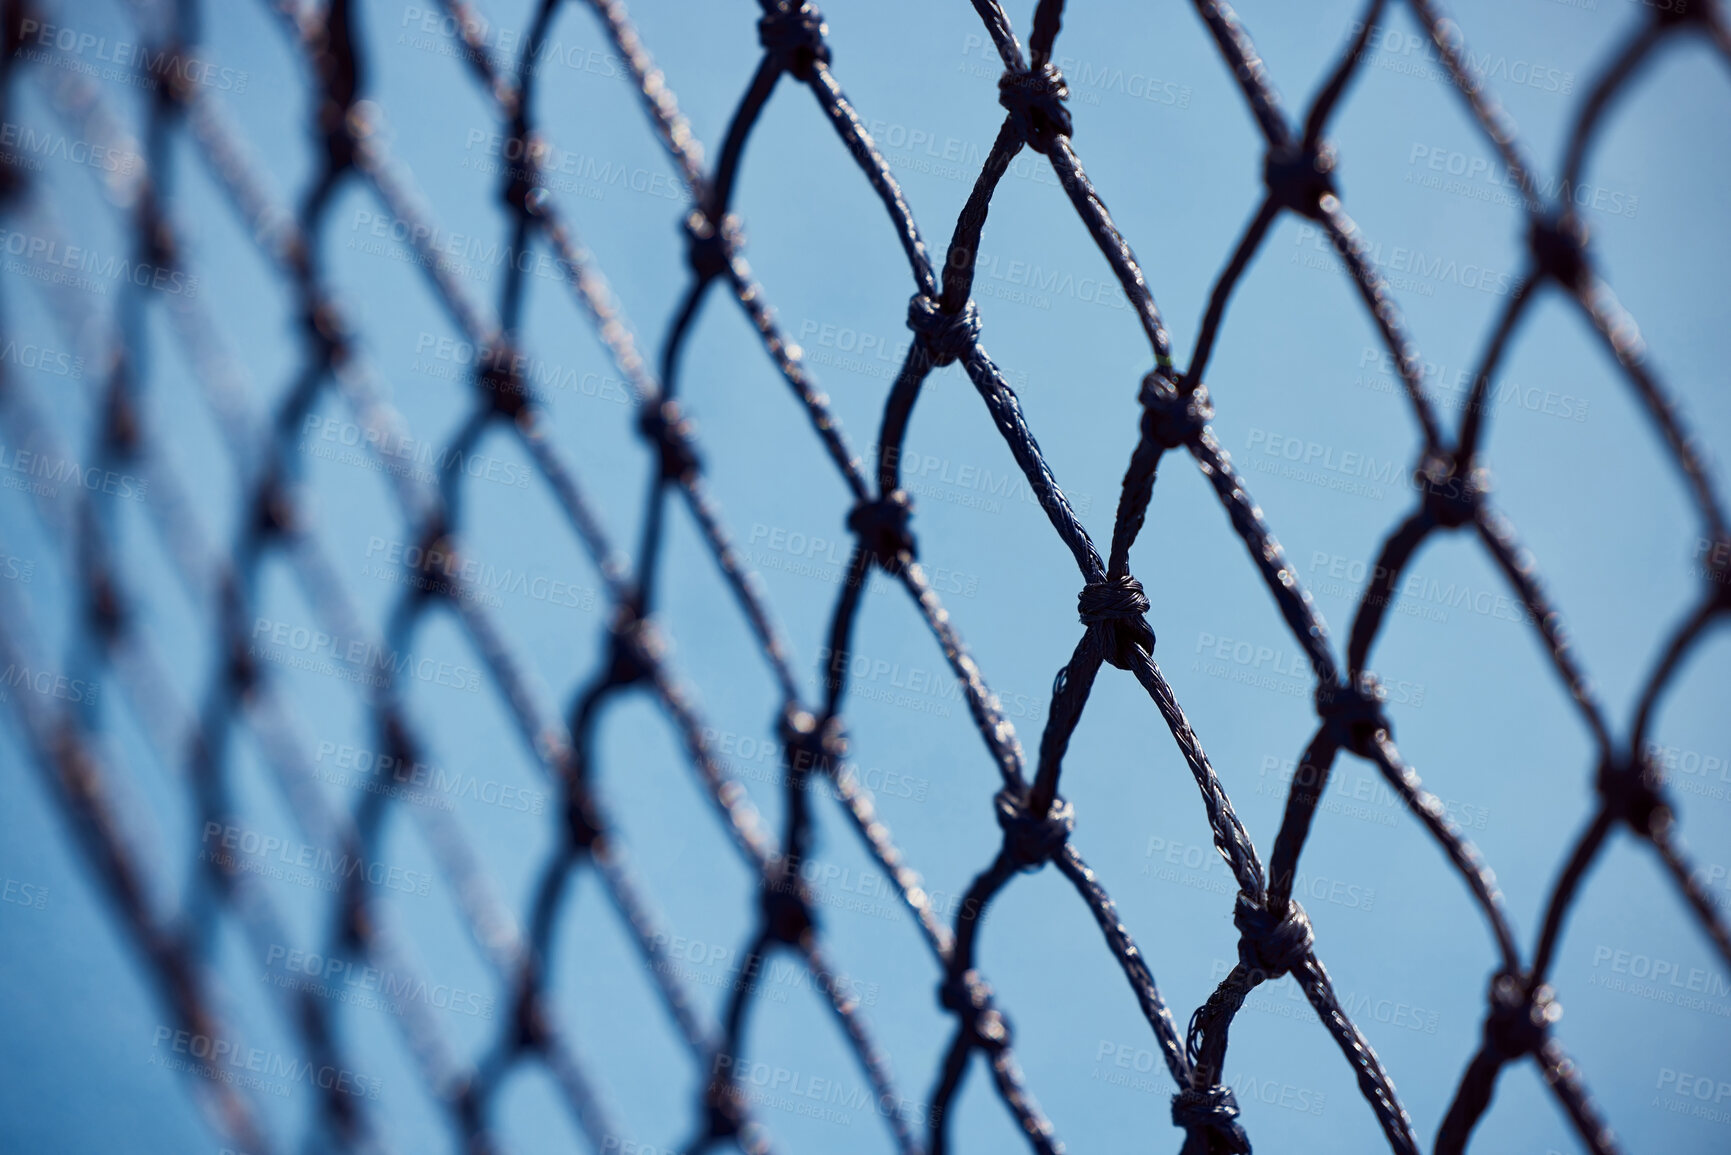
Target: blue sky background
[[1166, 138]]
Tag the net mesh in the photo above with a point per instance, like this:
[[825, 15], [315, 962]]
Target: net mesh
[[1275, 936]]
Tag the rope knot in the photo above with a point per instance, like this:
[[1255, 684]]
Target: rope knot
[[466, 1104], [530, 1017], [324, 324], [634, 647], [1035, 99], [240, 667], [1298, 177], [582, 823], [274, 510], [122, 431], [793, 33], [437, 564], [809, 744], [786, 905], [500, 380], [1355, 712], [707, 246], [399, 745], [522, 184], [990, 1030], [945, 337], [970, 999], [963, 993], [168, 71], [1559, 248], [160, 250], [106, 608], [176, 74], [1212, 1111], [1451, 497], [723, 1106], [1115, 607], [1519, 1021], [882, 526], [1029, 841], [1635, 794], [670, 431], [1268, 945], [1171, 417]]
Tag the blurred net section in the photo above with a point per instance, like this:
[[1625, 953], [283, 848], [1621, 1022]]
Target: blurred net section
[[175, 947]]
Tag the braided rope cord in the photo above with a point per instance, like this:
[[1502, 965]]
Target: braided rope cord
[[1276, 938]]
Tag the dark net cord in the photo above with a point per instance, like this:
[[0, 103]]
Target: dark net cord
[[1276, 938]]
